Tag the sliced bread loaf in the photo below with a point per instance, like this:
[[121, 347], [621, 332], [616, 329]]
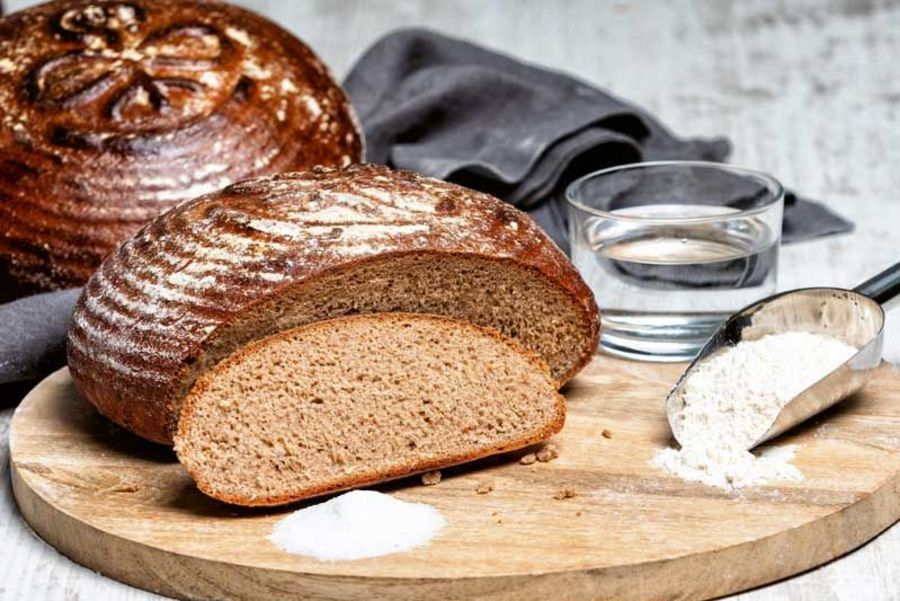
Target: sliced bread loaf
[[358, 400], [273, 253]]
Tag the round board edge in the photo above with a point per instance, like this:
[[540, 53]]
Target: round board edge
[[190, 577]]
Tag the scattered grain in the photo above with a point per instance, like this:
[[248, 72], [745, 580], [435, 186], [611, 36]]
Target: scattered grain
[[123, 487], [565, 493], [528, 459], [485, 487], [548, 453], [431, 478]]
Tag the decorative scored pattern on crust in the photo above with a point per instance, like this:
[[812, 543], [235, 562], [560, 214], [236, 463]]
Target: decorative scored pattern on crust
[[144, 316], [111, 112]]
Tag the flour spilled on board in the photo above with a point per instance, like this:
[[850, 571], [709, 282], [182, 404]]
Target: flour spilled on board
[[731, 399]]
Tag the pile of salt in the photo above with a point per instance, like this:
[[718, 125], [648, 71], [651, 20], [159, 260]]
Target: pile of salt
[[357, 524]]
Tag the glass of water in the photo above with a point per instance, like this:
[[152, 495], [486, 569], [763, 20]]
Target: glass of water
[[671, 249]]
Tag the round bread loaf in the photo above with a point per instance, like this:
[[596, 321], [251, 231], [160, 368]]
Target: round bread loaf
[[112, 112], [273, 253]]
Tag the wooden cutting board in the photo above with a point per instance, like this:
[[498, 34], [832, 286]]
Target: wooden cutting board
[[127, 509]]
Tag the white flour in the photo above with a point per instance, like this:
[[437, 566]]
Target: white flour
[[357, 524], [732, 398]]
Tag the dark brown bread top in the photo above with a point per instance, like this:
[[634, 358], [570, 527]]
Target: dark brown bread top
[[148, 312], [112, 112]]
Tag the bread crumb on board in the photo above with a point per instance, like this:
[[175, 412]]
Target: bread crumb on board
[[548, 453], [528, 459], [606, 433], [431, 478], [565, 493], [484, 487], [123, 487]]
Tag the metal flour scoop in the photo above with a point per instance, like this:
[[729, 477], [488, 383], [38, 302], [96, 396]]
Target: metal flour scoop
[[854, 316]]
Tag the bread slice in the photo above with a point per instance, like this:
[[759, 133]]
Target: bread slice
[[358, 400]]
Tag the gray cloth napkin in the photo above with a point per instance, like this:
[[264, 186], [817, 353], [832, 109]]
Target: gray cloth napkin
[[456, 111], [33, 334]]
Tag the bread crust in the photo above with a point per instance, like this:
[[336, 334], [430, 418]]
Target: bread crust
[[376, 476], [141, 323], [112, 112]]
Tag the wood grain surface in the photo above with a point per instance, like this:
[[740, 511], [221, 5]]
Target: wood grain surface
[[126, 508], [806, 89]]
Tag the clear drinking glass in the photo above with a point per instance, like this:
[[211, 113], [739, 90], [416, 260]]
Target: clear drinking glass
[[671, 249]]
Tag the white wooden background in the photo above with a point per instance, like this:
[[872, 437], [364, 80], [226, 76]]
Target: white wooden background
[[808, 90]]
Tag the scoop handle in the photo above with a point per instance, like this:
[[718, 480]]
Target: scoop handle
[[884, 287]]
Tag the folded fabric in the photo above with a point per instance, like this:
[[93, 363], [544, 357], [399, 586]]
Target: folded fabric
[[33, 334], [456, 111]]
